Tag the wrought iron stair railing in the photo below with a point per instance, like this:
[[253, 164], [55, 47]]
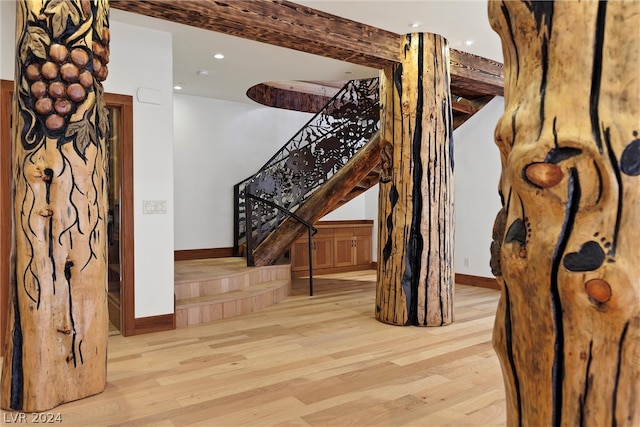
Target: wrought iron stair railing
[[311, 230], [309, 159]]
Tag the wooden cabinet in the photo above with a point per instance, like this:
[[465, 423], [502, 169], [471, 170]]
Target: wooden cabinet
[[321, 251], [337, 247], [352, 246]]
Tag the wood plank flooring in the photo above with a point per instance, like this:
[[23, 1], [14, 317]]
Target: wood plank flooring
[[307, 361]]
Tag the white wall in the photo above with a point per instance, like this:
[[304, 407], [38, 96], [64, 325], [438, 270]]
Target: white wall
[[354, 209], [477, 171], [139, 58], [217, 144], [371, 212], [7, 39], [142, 58]]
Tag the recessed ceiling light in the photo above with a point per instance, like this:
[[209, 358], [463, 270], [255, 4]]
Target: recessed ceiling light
[[177, 87], [203, 73], [415, 24], [348, 72], [218, 56], [469, 42]]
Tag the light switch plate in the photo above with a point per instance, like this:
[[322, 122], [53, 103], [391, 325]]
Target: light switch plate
[[154, 207]]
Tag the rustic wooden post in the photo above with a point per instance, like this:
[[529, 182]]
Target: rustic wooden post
[[567, 241], [58, 324], [415, 258]]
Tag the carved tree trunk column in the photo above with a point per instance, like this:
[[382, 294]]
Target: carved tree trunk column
[[56, 347], [567, 242], [415, 259]]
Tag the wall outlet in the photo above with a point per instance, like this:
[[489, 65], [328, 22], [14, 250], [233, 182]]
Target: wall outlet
[[467, 262]]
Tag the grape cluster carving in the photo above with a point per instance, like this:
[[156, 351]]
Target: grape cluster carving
[[101, 55], [60, 83]]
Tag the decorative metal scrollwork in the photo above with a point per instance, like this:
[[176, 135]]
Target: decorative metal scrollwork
[[309, 159]]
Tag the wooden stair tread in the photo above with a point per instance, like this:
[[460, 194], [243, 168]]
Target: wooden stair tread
[[219, 272], [247, 292]]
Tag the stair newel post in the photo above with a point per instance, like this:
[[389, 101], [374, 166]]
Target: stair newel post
[[56, 348], [566, 245], [248, 223], [310, 261], [236, 220], [415, 259]]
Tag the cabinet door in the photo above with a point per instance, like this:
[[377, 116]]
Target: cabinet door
[[362, 247], [300, 255], [322, 253], [363, 250], [343, 247]]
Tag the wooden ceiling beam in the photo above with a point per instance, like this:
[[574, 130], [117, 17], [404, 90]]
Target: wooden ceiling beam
[[280, 23], [473, 76], [468, 106], [290, 25]]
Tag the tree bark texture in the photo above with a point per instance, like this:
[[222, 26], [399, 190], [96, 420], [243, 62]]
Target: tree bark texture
[[56, 347], [566, 244], [415, 261]]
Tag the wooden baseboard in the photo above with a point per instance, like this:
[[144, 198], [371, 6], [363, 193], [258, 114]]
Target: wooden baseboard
[[482, 282], [189, 254], [146, 325]]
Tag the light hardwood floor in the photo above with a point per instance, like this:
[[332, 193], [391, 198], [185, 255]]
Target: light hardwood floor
[[307, 361]]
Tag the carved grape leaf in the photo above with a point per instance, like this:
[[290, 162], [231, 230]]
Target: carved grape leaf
[[82, 133], [102, 116], [37, 40], [60, 12], [101, 18]]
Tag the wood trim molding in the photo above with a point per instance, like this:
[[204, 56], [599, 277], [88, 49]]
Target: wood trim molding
[[189, 254], [6, 205], [345, 222], [479, 281], [147, 325], [294, 26], [127, 292]]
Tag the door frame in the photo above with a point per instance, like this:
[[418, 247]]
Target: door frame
[[127, 284], [127, 289]]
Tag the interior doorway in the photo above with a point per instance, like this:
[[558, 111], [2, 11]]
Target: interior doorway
[[120, 250]]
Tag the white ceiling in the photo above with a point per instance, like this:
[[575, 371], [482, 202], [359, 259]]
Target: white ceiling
[[247, 63]]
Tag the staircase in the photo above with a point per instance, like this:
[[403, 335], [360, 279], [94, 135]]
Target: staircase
[[309, 161], [332, 160], [216, 289]]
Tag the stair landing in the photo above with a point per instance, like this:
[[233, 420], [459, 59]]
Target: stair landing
[[213, 289]]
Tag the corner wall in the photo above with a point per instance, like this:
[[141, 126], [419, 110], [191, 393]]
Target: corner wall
[[142, 58], [7, 39], [477, 172], [218, 144]]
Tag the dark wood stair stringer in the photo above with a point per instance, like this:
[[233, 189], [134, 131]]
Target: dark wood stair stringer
[[320, 203]]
